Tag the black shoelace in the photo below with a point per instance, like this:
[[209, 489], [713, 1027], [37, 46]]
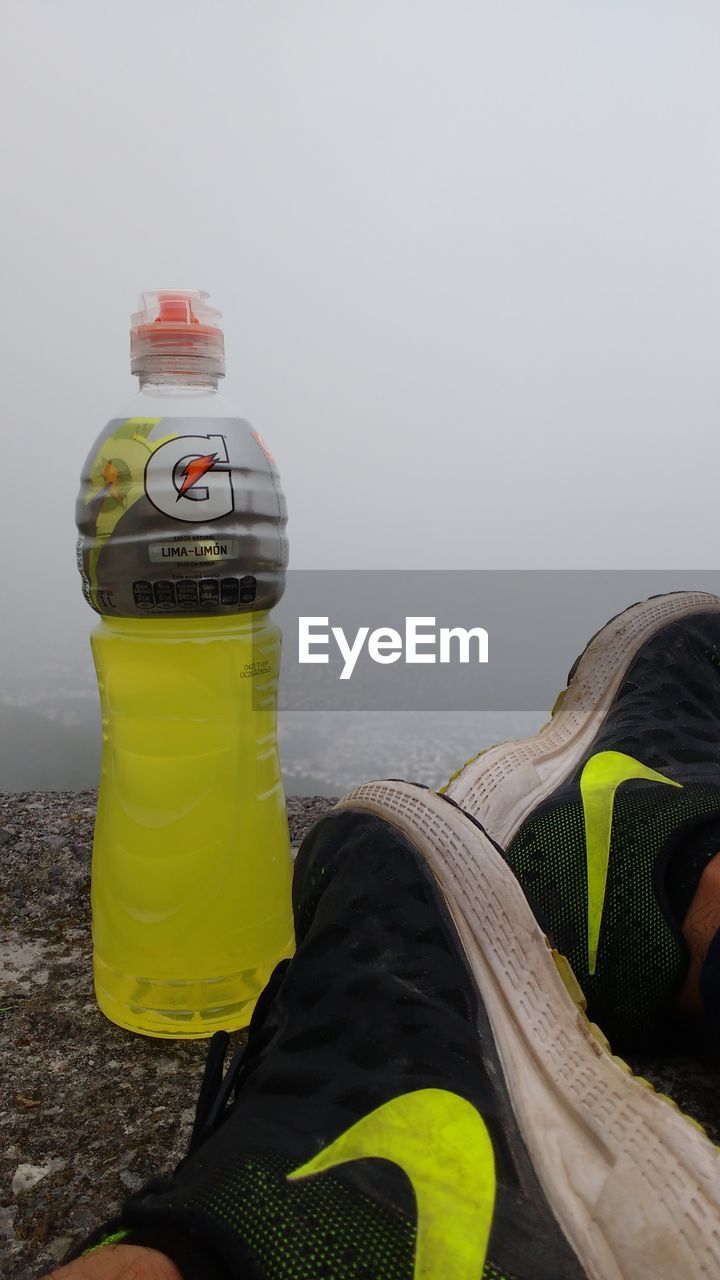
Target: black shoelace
[[217, 1089]]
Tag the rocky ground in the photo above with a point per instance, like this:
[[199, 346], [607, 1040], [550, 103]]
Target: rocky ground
[[89, 1112]]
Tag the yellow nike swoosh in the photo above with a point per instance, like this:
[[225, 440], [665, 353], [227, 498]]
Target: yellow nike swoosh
[[441, 1142], [599, 781]]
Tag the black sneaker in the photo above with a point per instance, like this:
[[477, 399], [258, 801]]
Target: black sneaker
[[609, 815], [420, 1098]]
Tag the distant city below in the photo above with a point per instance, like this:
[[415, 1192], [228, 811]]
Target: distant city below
[[50, 741]]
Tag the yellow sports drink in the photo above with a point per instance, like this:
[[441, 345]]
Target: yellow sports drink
[[183, 552]]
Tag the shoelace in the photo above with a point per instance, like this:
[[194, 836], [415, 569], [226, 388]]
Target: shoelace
[[216, 1089]]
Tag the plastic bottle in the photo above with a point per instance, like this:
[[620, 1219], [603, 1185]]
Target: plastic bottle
[[182, 550]]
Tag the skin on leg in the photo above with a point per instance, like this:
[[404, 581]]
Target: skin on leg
[[119, 1262], [699, 928]]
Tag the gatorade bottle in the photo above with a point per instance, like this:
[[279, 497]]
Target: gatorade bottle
[[182, 550]]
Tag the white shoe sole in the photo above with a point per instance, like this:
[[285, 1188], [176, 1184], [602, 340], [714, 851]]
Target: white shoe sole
[[503, 785], [633, 1183]]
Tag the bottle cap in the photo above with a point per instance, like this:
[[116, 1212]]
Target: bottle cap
[[176, 331]]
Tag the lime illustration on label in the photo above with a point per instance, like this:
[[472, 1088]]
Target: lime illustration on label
[[116, 474]]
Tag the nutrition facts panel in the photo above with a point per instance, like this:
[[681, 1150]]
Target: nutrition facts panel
[[194, 593]]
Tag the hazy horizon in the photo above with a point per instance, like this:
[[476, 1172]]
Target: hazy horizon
[[467, 256]]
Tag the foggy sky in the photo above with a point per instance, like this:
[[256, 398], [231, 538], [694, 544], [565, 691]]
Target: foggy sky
[[466, 252]]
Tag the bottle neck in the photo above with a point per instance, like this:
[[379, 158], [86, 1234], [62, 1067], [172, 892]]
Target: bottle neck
[[172, 382]]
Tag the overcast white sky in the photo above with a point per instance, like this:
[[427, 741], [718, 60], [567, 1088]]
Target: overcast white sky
[[466, 251]]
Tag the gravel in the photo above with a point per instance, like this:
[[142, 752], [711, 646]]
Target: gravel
[[87, 1111]]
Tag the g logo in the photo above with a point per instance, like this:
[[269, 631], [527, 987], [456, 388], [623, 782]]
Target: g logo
[[189, 479]]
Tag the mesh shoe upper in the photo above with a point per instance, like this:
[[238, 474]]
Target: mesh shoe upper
[[666, 718]]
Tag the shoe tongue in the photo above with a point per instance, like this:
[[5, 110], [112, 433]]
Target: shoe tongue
[[710, 987], [687, 863]]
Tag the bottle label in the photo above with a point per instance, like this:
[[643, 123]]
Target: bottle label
[[180, 516], [206, 549]]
